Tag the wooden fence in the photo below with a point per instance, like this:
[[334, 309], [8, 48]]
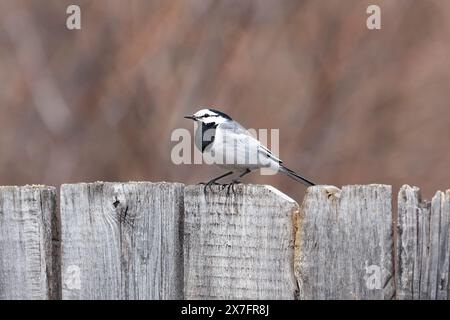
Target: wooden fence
[[143, 240]]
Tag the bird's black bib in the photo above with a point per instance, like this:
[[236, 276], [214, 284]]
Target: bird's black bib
[[208, 132]]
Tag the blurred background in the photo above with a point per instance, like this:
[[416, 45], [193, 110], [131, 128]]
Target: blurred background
[[353, 106]]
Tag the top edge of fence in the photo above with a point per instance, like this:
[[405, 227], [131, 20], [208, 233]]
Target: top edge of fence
[[28, 187], [99, 183], [407, 187], [347, 186], [329, 188], [241, 189]]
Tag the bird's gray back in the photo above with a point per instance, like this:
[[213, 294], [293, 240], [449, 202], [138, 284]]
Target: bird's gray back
[[234, 127]]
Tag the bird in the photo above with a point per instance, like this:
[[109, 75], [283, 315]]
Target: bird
[[233, 148]]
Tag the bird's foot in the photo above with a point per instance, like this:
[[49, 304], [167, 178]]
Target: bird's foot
[[230, 186], [209, 184]]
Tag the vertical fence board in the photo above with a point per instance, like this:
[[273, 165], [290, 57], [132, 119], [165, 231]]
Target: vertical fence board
[[122, 241], [344, 243], [423, 245], [125, 241], [239, 246], [29, 242]]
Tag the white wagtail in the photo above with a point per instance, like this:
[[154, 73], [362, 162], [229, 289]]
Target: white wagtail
[[234, 148]]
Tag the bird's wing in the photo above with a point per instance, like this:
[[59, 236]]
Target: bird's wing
[[263, 149], [240, 136]]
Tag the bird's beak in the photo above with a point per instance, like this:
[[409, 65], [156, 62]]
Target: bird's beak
[[190, 117]]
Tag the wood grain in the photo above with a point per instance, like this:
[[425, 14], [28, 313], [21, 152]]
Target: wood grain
[[239, 246], [423, 245], [164, 241], [344, 243], [122, 240], [29, 243]]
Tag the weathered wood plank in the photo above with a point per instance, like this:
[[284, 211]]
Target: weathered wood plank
[[122, 240], [29, 243], [344, 243], [423, 245], [239, 246]]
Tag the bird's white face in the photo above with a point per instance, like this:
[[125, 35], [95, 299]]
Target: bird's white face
[[209, 116]]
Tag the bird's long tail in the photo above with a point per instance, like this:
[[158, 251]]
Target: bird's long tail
[[291, 174]]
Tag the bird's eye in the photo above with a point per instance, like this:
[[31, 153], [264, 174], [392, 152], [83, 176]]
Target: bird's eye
[[206, 116]]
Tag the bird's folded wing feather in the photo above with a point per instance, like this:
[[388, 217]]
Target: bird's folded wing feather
[[241, 138], [268, 153]]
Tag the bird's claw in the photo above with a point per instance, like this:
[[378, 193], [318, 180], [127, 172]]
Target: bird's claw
[[209, 184], [230, 186]]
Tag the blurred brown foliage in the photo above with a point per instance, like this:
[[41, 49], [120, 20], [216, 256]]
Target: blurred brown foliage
[[353, 106]]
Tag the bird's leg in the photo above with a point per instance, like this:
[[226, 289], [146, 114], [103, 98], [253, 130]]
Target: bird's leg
[[236, 181], [213, 181]]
